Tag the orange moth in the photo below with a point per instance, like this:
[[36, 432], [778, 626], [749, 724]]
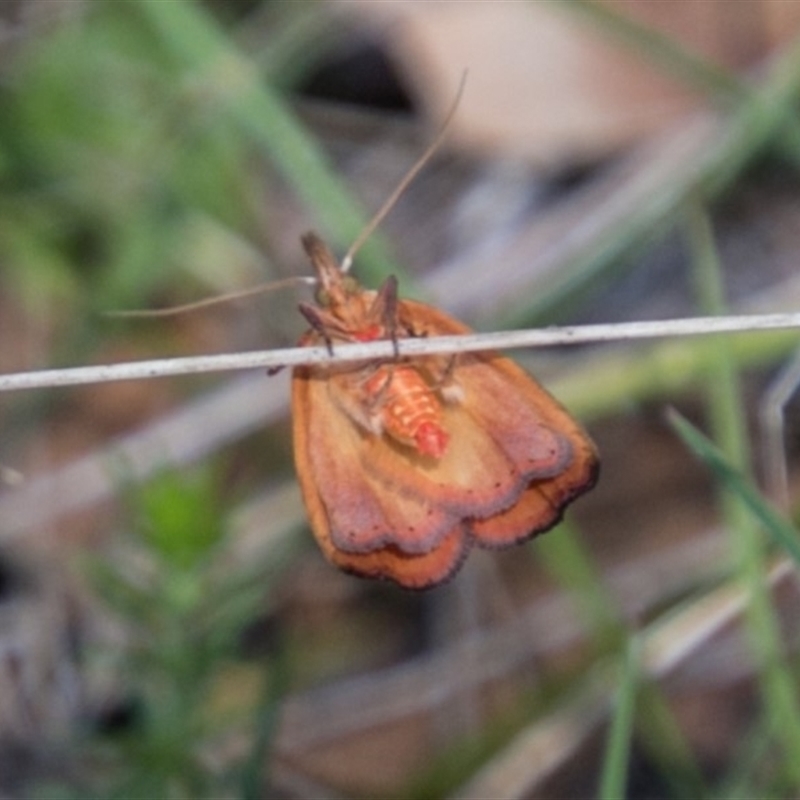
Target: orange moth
[[406, 463]]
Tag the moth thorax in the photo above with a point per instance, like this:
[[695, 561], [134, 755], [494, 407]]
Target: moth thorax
[[369, 333]]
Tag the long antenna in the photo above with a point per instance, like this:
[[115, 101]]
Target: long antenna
[[213, 301], [347, 261], [367, 231]]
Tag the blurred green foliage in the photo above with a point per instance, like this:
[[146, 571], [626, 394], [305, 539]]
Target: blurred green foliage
[[108, 156], [184, 619]]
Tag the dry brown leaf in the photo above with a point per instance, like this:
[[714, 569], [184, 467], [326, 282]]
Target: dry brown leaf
[[547, 85]]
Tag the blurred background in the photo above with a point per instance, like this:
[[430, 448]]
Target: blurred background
[[168, 627]]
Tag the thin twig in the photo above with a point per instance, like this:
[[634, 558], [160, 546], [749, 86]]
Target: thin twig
[[506, 340]]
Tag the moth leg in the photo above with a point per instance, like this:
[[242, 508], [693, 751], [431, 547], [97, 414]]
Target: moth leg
[[374, 399], [384, 310], [447, 373], [351, 395], [445, 383], [317, 319]]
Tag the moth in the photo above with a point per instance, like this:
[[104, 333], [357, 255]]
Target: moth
[[406, 463]]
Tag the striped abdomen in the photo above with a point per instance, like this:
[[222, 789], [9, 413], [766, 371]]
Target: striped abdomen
[[409, 410]]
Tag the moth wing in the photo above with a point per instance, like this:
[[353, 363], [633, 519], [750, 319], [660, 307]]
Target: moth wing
[[310, 410], [350, 509], [413, 571], [535, 511], [380, 509], [538, 436], [473, 477], [531, 427]]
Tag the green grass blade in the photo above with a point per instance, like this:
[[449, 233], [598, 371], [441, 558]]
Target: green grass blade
[[776, 526], [775, 679], [614, 776], [228, 76]]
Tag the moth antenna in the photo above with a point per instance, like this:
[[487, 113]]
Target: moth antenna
[[212, 301], [389, 203]]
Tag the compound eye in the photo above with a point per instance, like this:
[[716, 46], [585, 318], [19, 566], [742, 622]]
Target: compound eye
[[350, 285]]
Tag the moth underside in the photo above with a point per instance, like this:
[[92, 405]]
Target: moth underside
[[404, 464]]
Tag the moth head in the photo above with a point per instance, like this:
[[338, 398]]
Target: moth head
[[345, 310], [334, 287], [328, 295]]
